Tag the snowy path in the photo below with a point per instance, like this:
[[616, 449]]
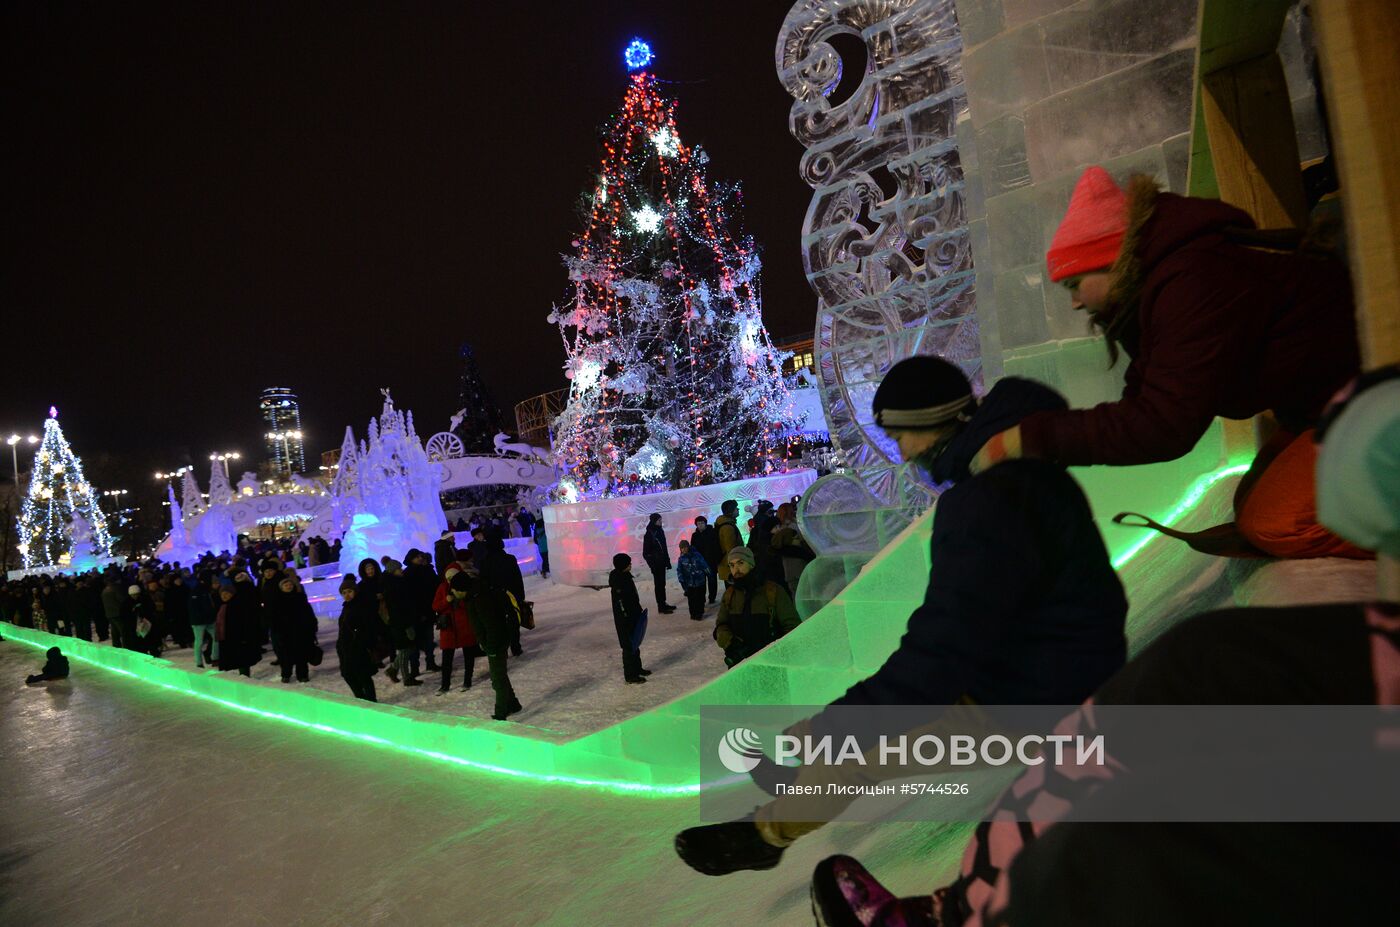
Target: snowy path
[[570, 677], [125, 805]]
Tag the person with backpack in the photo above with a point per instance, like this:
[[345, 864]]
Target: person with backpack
[[753, 612], [629, 619], [1023, 606], [1214, 324], [692, 570], [790, 548], [493, 607]]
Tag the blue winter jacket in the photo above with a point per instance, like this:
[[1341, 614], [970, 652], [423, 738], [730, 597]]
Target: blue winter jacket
[[692, 569]]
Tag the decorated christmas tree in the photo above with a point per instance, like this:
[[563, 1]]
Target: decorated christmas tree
[[61, 525], [481, 421], [481, 418], [673, 379]]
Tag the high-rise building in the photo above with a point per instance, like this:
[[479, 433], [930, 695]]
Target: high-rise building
[[282, 416]]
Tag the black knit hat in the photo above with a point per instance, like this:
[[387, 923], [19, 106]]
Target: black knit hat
[[923, 392], [620, 561]]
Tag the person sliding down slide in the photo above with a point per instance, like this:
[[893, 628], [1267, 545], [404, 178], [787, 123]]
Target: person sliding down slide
[[1022, 607], [1213, 327], [1089, 873]]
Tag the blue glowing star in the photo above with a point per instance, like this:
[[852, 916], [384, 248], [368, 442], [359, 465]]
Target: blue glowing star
[[638, 55]]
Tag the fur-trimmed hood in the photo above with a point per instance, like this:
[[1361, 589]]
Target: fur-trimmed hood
[[1158, 224]]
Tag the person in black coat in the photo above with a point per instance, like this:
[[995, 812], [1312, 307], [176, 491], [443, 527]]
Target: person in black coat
[[357, 638], [293, 627], [658, 558], [503, 570], [706, 540], [55, 667], [238, 626], [422, 582], [403, 621], [444, 552], [494, 623], [628, 618], [1022, 608]]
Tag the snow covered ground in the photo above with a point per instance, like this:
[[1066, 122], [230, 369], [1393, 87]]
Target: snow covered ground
[[125, 804], [570, 676]]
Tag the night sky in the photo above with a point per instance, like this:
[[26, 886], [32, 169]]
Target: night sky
[[204, 200]]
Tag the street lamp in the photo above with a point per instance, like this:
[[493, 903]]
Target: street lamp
[[13, 442], [224, 457]]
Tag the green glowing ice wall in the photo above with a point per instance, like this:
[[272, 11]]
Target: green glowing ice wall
[[654, 754]]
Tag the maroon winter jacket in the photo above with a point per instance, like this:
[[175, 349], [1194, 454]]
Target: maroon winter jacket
[[1221, 330]]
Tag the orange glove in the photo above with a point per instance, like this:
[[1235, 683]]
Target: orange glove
[[1003, 446]]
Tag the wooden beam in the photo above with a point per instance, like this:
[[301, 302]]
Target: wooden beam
[[1253, 145], [1359, 46]]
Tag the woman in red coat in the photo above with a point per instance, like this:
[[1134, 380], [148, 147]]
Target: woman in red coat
[[450, 604], [1214, 326]]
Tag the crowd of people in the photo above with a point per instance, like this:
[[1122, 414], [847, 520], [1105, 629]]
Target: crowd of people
[[233, 610]]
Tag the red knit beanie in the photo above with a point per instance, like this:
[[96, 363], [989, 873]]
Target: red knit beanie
[[1091, 233]]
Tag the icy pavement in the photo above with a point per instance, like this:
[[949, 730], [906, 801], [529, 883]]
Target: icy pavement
[[570, 676], [127, 805]]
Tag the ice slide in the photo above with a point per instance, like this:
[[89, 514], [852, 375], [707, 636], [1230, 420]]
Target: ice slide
[[655, 754]]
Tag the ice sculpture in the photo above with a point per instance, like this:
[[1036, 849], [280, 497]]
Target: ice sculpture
[[193, 501], [885, 242], [386, 491], [220, 493]]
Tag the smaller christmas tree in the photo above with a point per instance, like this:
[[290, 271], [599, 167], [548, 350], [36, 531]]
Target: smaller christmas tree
[[61, 523], [481, 421]]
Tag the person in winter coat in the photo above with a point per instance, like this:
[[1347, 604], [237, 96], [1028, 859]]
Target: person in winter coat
[[371, 590], [238, 626], [203, 607], [706, 540], [790, 549], [495, 621], [1213, 326], [1015, 871], [629, 619], [692, 570], [542, 544], [760, 535], [1022, 608], [450, 604], [111, 608], [293, 627], [502, 571], [444, 552], [753, 612], [658, 559], [358, 636], [727, 533], [177, 611], [55, 667], [421, 584], [398, 603]]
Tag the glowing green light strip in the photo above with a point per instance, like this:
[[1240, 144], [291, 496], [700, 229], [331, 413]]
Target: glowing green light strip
[[425, 721], [33, 639], [1194, 494]]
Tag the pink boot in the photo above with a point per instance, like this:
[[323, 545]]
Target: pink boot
[[844, 894]]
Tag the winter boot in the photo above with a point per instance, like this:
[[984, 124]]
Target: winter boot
[[719, 849], [392, 672], [844, 894]]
